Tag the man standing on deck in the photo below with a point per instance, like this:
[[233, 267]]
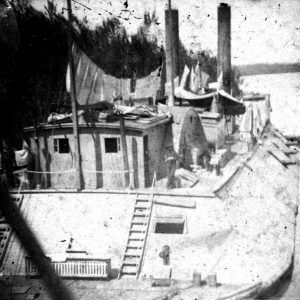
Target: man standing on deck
[[8, 162], [171, 158]]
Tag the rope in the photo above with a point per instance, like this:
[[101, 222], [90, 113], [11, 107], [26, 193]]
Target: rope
[[72, 170], [111, 172], [45, 172]]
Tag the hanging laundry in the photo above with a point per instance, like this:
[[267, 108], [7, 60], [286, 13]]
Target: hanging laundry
[[183, 81], [194, 81]]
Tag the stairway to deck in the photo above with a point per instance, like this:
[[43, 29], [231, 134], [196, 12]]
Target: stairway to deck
[[137, 237], [6, 231]]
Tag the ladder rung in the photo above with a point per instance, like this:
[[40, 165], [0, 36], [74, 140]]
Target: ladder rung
[[136, 239], [140, 215], [131, 274], [130, 263], [132, 255], [142, 200], [138, 223], [134, 247], [141, 208]]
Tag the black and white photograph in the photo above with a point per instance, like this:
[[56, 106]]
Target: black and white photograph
[[149, 149]]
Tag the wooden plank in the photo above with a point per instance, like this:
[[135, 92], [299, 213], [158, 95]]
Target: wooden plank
[[290, 151], [281, 157], [280, 144], [178, 203], [280, 136], [291, 143]]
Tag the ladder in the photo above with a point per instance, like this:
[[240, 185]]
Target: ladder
[[6, 231], [137, 238]]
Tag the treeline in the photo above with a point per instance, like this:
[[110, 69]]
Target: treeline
[[34, 57]]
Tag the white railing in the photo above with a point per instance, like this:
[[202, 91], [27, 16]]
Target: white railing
[[81, 268]]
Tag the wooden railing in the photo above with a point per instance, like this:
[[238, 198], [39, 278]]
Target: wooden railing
[[80, 268]]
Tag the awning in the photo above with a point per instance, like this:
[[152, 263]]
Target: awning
[[231, 105]]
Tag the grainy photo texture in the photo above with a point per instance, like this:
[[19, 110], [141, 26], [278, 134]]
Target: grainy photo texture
[[149, 149]]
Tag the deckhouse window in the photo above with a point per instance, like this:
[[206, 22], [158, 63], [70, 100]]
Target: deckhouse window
[[170, 225], [61, 145], [112, 145]]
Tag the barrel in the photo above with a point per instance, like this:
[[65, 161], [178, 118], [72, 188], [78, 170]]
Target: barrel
[[212, 280], [196, 278]]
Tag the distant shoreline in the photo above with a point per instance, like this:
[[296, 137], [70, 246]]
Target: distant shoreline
[[260, 69]]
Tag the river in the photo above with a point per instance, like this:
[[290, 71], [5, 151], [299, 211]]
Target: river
[[285, 98]]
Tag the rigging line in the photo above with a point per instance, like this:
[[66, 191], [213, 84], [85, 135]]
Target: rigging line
[[85, 6]]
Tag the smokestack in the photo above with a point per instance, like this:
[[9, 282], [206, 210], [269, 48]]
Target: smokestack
[[172, 43], [224, 45]]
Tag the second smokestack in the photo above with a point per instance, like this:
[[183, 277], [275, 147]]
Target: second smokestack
[[224, 45]]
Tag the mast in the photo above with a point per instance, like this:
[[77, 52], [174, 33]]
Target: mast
[[124, 150], [171, 100], [74, 103]]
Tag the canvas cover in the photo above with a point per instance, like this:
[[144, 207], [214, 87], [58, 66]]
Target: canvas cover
[[93, 85]]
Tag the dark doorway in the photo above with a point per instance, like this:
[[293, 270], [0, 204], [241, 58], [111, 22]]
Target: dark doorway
[[169, 228]]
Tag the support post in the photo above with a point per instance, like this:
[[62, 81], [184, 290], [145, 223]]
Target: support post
[[124, 149], [74, 103], [172, 48]]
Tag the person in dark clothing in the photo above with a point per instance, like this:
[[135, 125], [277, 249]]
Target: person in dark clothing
[[8, 163], [170, 158]]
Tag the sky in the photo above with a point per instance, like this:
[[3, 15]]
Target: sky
[[263, 31]]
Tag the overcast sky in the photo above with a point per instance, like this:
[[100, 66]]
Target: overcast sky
[[263, 31]]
